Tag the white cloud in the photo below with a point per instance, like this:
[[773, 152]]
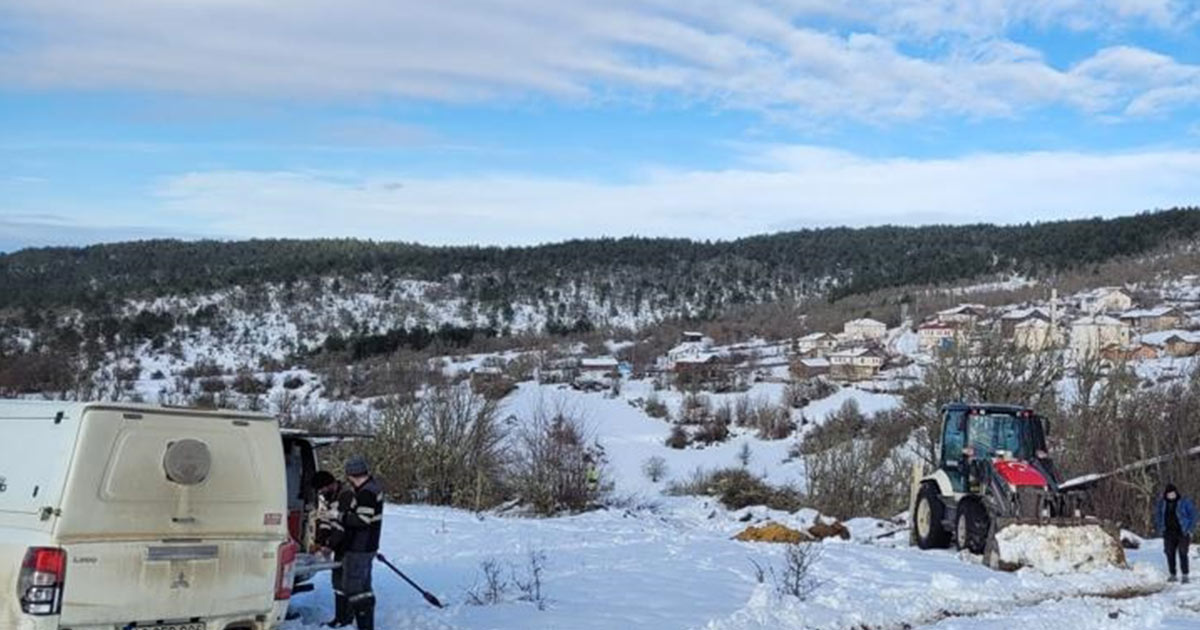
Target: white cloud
[[758, 56], [783, 187]]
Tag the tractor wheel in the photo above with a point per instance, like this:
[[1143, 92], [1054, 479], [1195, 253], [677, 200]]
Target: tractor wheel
[[927, 519], [971, 527]]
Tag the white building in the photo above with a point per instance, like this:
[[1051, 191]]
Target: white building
[[695, 346], [936, 335], [1106, 300], [865, 328], [1035, 334], [967, 314], [1090, 335], [816, 344], [855, 364]]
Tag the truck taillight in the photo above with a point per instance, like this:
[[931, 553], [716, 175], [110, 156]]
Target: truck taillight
[[40, 584], [285, 574]]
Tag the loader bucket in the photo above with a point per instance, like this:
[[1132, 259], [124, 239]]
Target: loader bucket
[[1054, 545]]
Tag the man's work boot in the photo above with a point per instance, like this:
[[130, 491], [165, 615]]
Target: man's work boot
[[1172, 579], [1185, 579], [364, 614]]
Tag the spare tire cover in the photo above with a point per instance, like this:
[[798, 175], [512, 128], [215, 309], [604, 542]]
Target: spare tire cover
[[187, 462]]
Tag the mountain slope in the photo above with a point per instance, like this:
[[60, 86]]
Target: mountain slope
[[623, 274]]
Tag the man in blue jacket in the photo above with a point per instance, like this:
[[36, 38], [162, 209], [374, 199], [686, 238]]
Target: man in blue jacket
[[1175, 520]]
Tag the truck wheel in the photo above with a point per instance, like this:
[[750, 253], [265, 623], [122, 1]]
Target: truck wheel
[[927, 519], [971, 527]]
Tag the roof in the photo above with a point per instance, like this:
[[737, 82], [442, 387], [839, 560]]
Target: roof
[[598, 362], [962, 308], [1026, 313], [815, 363], [1159, 311], [1098, 320], [1033, 321], [53, 406], [703, 357], [1164, 337], [984, 407], [1105, 291], [817, 336], [865, 321], [856, 352], [936, 326]]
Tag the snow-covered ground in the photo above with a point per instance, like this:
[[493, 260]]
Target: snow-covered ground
[[677, 567]]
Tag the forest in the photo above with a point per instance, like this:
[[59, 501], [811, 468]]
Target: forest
[[834, 263]]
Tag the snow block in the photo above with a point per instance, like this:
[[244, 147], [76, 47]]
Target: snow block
[[1056, 550]]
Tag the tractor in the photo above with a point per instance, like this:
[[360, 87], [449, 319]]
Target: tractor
[[993, 472]]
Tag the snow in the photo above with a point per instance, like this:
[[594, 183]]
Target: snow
[[1058, 550], [677, 567]]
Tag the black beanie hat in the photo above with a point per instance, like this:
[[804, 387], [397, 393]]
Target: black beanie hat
[[323, 478]]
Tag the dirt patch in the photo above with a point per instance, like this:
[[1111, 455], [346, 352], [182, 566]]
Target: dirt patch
[[773, 532]]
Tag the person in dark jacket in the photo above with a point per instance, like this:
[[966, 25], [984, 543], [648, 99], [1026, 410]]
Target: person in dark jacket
[[361, 505], [331, 535], [1175, 521]]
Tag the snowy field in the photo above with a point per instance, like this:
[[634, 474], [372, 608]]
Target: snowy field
[[677, 567]]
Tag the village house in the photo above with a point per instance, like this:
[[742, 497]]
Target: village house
[[865, 329], [1035, 334], [817, 344], [702, 371], [1010, 320], [1154, 319], [1174, 343], [1090, 335], [694, 345], [963, 314], [1136, 352], [596, 371], [937, 336], [1105, 300], [810, 367], [855, 364]]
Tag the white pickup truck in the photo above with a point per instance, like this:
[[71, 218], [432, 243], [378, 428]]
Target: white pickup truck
[[121, 516]]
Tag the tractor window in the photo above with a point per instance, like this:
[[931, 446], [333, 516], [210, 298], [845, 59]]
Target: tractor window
[[1002, 432], [954, 436]]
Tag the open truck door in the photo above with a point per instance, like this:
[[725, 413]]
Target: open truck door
[[300, 448]]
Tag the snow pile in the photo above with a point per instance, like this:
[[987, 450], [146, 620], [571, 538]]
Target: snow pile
[[1057, 550]]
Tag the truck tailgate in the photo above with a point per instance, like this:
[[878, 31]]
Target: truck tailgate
[[148, 581]]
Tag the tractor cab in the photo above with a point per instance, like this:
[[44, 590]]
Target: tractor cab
[[994, 472], [1002, 437]]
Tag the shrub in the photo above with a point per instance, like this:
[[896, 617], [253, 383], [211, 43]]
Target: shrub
[[204, 368], [656, 408], [247, 384], [696, 409], [655, 468], [737, 488], [213, 385], [711, 432], [293, 382], [798, 394], [795, 579], [557, 468], [679, 438]]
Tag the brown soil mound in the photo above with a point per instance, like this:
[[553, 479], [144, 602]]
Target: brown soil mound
[[821, 531], [774, 533]]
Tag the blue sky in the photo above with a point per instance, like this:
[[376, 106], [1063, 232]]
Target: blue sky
[[526, 121]]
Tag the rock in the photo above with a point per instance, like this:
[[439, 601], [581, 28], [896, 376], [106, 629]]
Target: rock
[[822, 530]]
